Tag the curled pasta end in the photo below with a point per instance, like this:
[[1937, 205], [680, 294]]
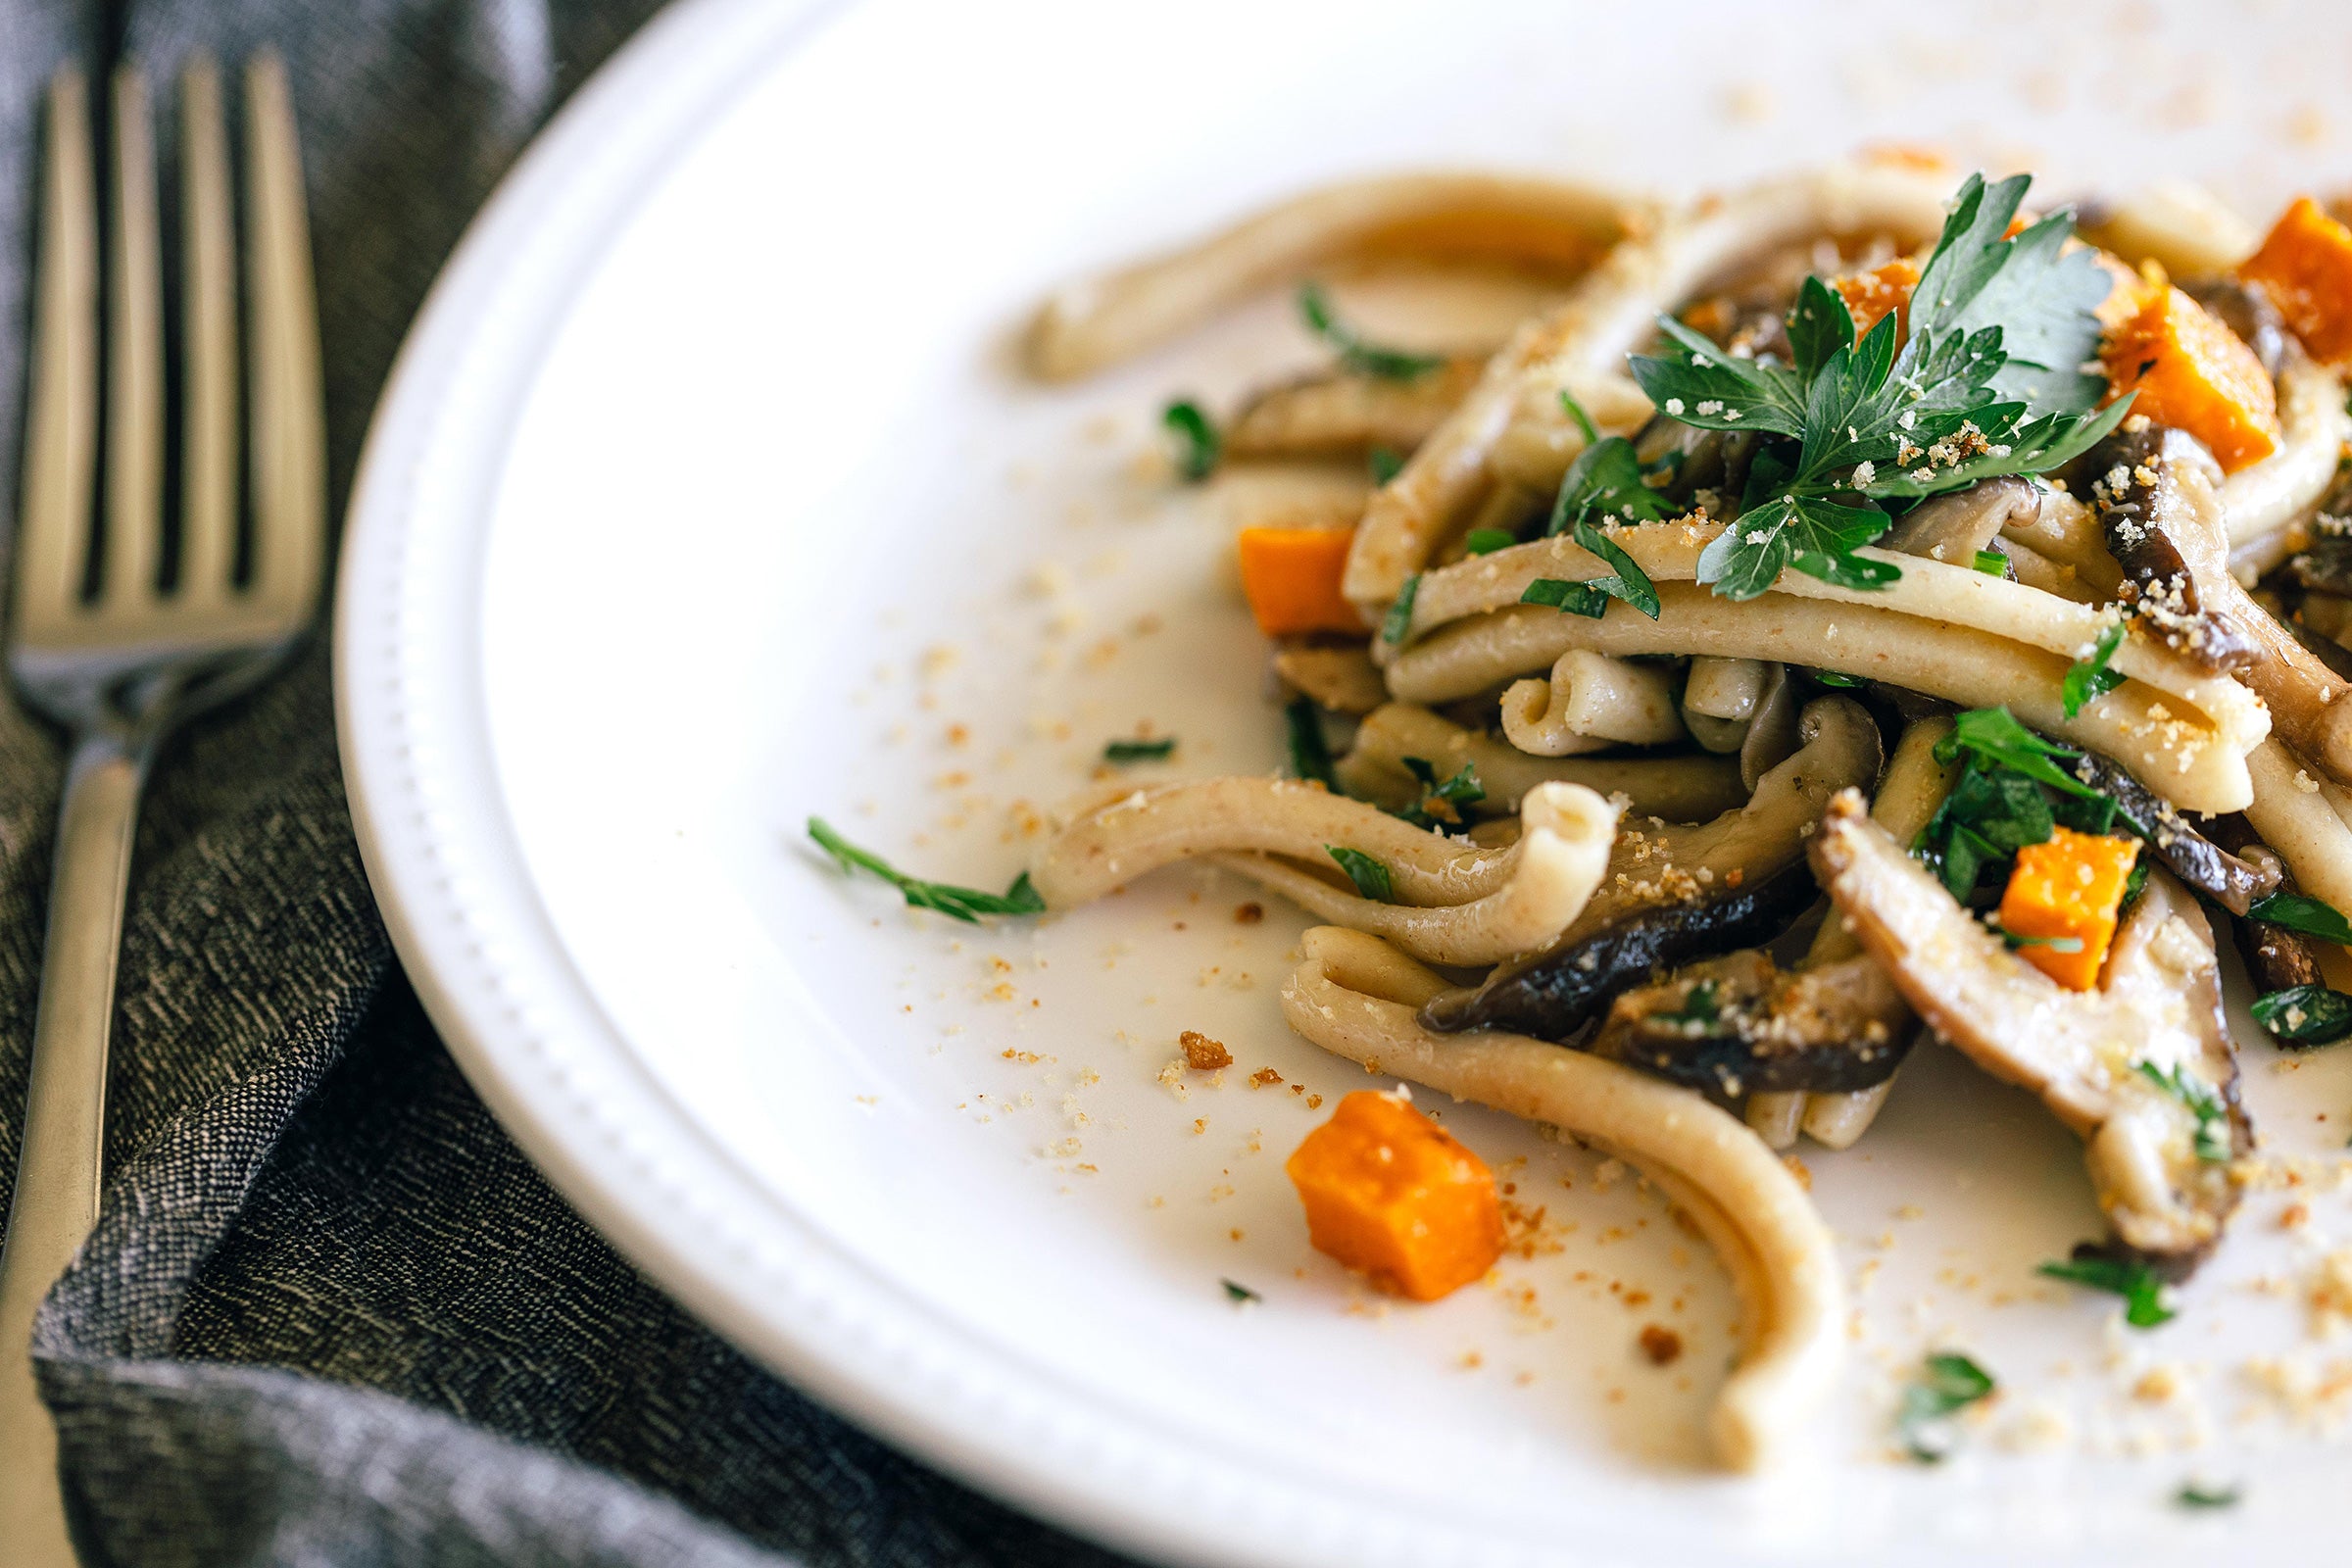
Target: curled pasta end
[[1356, 996]]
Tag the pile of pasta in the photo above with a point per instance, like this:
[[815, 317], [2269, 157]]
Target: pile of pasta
[[1685, 871]]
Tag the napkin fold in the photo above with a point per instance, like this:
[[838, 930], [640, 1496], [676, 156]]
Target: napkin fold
[[329, 1313]]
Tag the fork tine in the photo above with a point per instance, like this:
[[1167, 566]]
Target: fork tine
[[60, 430], [288, 434], [134, 415], [209, 373]]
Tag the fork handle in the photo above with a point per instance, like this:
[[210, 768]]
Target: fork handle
[[56, 1197]]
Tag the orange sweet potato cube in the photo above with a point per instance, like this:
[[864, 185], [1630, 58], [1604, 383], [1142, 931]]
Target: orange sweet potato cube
[[1390, 1192], [1291, 577], [2192, 373], [1870, 295], [2069, 891], [2306, 265]]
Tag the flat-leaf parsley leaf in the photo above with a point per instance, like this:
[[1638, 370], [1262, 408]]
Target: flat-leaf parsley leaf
[[962, 904]]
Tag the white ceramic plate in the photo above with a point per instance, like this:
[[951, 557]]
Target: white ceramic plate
[[706, 497]]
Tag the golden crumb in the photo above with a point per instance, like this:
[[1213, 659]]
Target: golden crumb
[[1249, 913], [1314, 1102], [1263, 1078], [1800, 1170], [1202, 1053], [1660, 1343]]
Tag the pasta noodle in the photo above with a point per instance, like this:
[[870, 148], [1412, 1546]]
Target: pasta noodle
[[2192, 765], [1100, 322], [1591, 698], [1357, 998], [1553, 866], [1675, 789]]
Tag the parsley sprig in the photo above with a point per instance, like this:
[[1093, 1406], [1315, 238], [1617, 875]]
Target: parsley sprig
[[1700, 1014], [1441, 801], [962, 904], [1988, 383], [1199, 445], [2303, 1016], [2143, 1294], [2299, 911], [2212, 1141], [2001, 802], [1945, 1383], [2089, 679], [1369, 873], [1365, 359]]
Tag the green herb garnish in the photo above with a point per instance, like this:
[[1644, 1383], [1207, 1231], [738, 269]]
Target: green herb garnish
[[962, 904], [1992, 564], [1988, 383], [1452, 793], [1366, 359], [2193, 1495], [1994, 735], [1199, 445], [2297, 913], [1605, 482], [1947, 1384], [1385, 463], [1370, 876], [2015, 940], [1486, 541], [1700, 1014], [1400, 613], [1574, 598], [1831, 678], [1239, 1295], [1584, 422], [2090, 677], [1310, 753], [2303, 1016], [1139, 751], [2212, 1141], [2137, 1282]]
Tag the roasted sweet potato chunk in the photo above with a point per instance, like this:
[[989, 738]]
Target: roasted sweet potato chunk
[[2063, 899], [2191, 372], [1392, 1194], [2306, 265]]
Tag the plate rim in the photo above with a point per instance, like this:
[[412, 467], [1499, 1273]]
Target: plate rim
[[522, 1024]]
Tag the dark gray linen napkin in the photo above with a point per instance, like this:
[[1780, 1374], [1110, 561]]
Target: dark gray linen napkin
[[329, 1314]]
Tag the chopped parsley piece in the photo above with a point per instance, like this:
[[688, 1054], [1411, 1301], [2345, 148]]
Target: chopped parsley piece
[[2090, 677], [1831, 678], [1584, 422], [1945, 1383], [1139, 751], [2015, 940], [2193, 1494], [1998, 806], [962, 904], [1574, 598], [1992, 564], [2303, 1016], [1239, 1295], [1400, 613], [1605, 480], [1994, 735], [1365, 359], [1699, 1014], [1310, 753], [1449, 795], [2297, 913], [1385, 463], [1370, 876], [2212, 1117], [1486, 541], [1199, 445], [1591, 598], [1988, 383], [2137, 1282]]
